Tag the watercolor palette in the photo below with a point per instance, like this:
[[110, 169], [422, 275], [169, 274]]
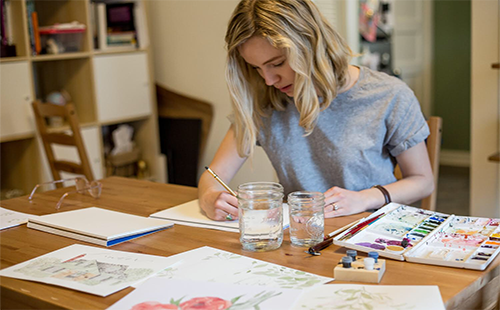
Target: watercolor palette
[[463, 242], [407, 233], [392, 230]]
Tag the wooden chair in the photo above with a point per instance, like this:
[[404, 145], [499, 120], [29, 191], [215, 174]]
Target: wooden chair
[[68, 114], [433, 149]]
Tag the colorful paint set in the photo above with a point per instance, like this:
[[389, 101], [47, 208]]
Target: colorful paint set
[[464, 242], [416, 235]]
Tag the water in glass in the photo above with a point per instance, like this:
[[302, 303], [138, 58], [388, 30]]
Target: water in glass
[[307, 219], [260, 215]]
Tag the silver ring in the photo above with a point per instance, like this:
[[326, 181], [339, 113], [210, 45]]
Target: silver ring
[[335, 207], [229, 217]]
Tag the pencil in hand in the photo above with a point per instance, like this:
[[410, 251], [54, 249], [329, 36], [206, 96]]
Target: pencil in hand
[[220, 181]]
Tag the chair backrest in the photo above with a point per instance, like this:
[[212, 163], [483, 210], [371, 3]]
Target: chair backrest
[[433, 149], [74, 138]]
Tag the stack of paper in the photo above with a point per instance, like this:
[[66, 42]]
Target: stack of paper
[[99, 226], [9, 218]]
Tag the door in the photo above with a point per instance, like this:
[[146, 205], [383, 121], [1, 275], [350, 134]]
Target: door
[[412, 47]]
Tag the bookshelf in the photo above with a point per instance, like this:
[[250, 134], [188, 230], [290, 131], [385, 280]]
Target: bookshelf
[[108, 86]]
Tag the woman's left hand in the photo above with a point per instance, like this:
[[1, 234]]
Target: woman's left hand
[[341, 202]]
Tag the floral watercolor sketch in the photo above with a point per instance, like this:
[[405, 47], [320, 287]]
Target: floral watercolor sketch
[[213, 265], [160, 294], [370, 297]]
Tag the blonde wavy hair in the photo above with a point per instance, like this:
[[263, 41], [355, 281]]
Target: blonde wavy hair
[[314, 50]]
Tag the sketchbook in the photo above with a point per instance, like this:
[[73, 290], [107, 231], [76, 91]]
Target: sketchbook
[[9, 218], [190, 214], [422, 236], [99, 226]]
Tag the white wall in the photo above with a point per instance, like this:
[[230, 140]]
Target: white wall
[[484, 198], [187, 39]]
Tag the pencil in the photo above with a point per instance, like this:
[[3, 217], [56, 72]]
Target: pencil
[[220, 181]]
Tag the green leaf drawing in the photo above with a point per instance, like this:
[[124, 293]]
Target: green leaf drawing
[[235, 299], [255, 301], [176, 302], [365, 295]]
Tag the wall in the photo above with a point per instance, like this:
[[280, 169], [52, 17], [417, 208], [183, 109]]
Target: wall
[[485, 96], [187, 38], [451, 72]]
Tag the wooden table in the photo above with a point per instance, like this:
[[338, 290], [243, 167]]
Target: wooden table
[[460, 288]]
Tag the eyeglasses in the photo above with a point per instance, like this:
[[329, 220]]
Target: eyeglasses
[[94, 188]]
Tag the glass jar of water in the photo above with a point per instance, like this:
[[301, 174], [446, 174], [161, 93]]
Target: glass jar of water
[[260, 206], [307, 219]]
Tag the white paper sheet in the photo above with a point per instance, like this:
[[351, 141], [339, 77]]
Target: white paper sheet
[[9, 218], [88, 269], [213, 265], [190, 214], [370, 297], [158, 293]]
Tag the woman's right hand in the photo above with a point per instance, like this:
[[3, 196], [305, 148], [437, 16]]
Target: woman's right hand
[[218, 205], [214, 199]]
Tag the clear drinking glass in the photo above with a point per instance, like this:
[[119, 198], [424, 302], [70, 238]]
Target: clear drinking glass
[[307, 218], [260, 206]]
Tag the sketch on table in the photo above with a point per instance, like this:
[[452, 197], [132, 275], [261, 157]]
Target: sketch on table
[[89, 269], [205, 264]]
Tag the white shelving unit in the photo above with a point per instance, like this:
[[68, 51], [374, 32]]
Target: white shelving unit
[[107, 87]]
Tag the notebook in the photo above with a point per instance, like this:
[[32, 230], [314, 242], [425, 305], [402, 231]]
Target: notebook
[[190, 214], [99, 226]]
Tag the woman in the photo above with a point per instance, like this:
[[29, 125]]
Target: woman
[[325, 125]]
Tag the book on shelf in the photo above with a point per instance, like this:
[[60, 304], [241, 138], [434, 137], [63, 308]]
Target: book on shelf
[[9, 24], [98, 226], [3, 23], [119, 25], [30, 8], [36, 33], [7, 48], [427, 237]]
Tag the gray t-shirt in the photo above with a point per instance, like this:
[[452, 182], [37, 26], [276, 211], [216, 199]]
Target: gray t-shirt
[[355, 139]]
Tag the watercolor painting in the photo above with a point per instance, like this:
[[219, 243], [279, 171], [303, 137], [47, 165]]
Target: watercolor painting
[[370, 297], [213, 265], [160, 293], [88, 269]]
